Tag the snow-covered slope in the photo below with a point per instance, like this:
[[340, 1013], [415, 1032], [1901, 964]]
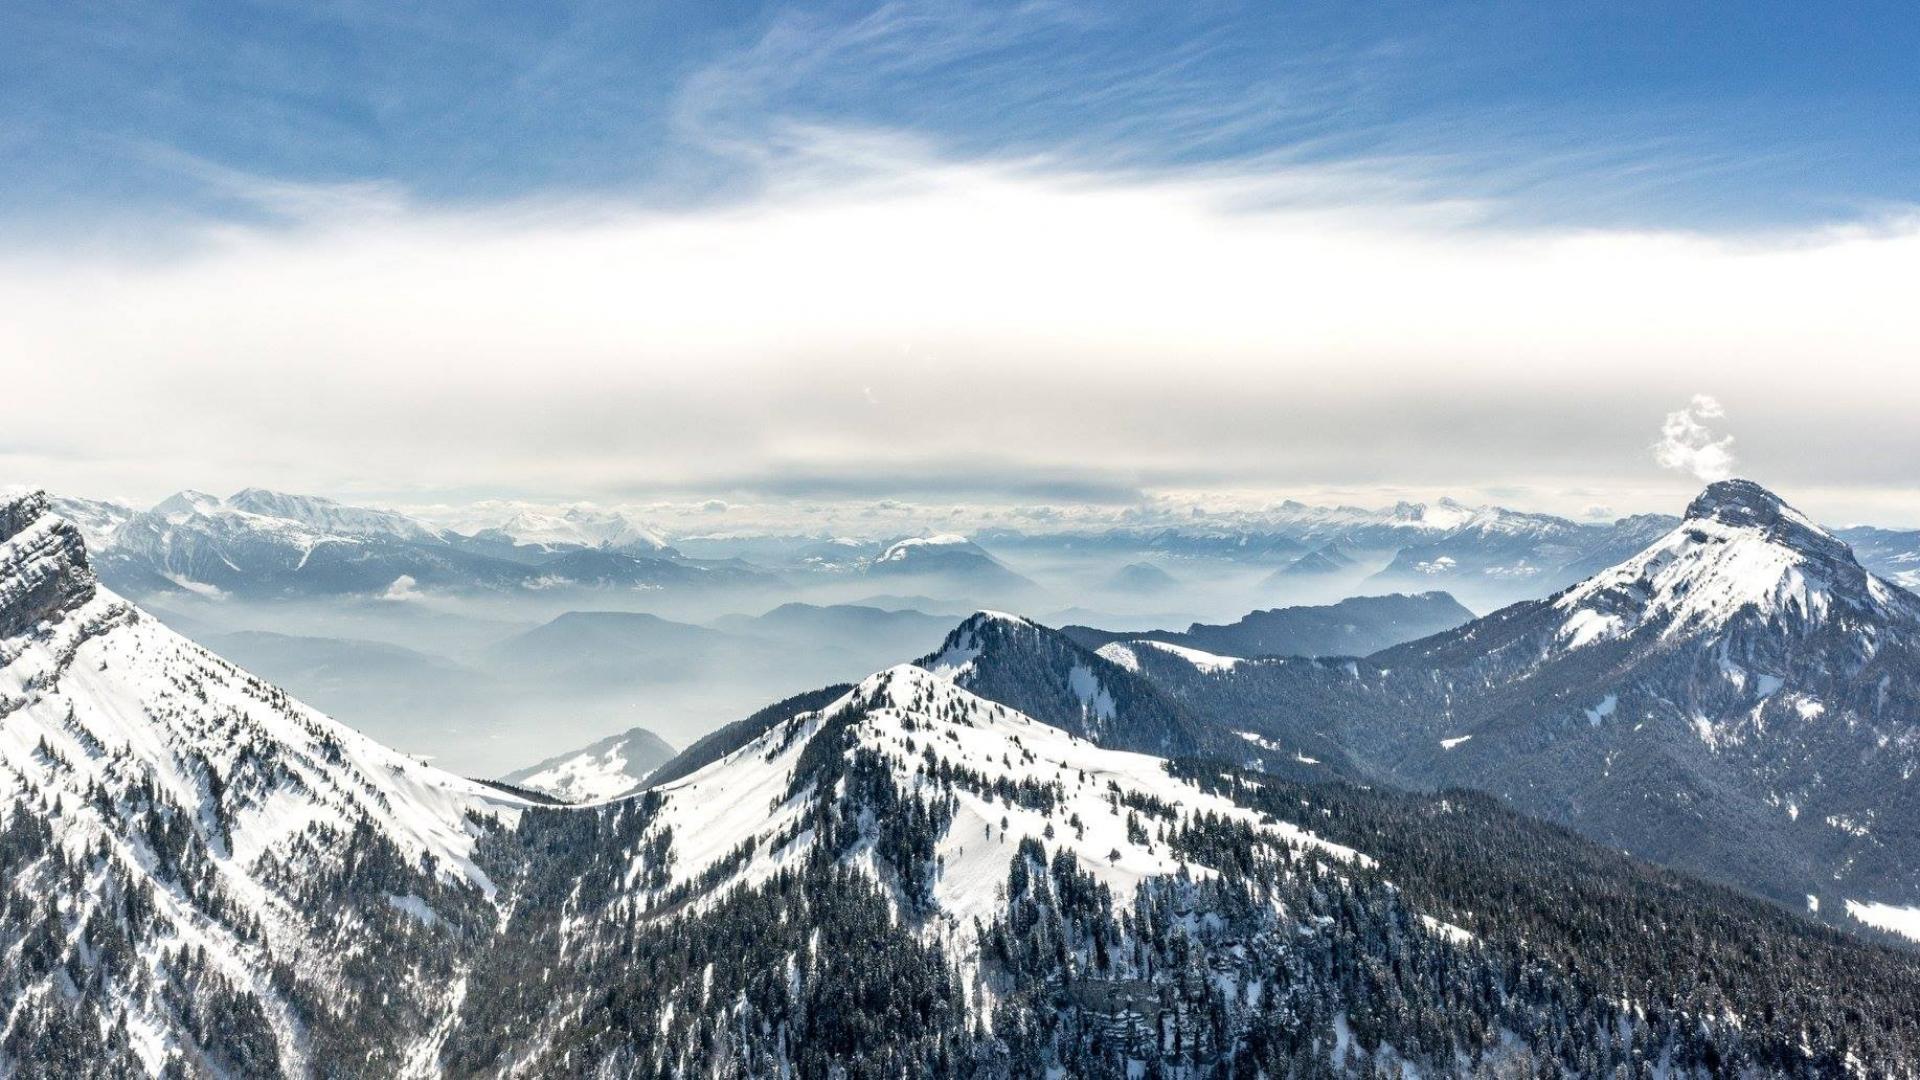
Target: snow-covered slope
[[907, 737], [1124, 654], [218, 848], [916, 719], [612, 767]]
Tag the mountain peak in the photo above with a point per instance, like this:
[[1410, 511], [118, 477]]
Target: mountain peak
[[1742, 502], [1740, 548], [43, 564], [1743, 505]]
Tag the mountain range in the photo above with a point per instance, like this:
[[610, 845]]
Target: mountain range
[[1353, 627], [1737, 699], [264, 544], [201, 877]]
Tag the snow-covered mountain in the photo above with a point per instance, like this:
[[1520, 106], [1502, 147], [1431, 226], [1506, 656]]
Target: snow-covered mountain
[[324, 515], [614, 766], [1495, 556], [201, 877], [196, 871], [1741, 699], [266, 544], [933, 884], [580, 526], [944, 555], [1740, 555]]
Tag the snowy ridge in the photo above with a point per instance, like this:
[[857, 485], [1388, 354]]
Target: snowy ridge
[[1203, 661], [325, 515], [206, 544], [581, 526], [1122, 653], [912, 718]]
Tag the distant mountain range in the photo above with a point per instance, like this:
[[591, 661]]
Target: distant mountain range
[[264, 544], [1352, 627]]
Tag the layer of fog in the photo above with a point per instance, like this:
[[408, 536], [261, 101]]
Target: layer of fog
[[486, 683]]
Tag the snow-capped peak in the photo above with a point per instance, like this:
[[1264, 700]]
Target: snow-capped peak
[[965, 642], [900, 550], [181, 505], [1739, 549], [582, 526]]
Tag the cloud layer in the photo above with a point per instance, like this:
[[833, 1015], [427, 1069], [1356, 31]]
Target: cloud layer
[[894, 324]]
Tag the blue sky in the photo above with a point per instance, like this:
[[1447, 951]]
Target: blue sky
[[1707, 116], [1043, 252]]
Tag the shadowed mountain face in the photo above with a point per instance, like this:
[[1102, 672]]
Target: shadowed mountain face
[[1321, 561], [1353, 627], [1741, 698], [1044, 674]]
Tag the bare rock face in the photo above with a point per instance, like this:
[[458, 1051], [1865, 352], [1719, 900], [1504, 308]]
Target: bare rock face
[[43, 565]]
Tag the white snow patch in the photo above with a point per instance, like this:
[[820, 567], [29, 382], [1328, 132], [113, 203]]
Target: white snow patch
[[1205, 661], [1448, 931], [1094, 699], [1904, 921]]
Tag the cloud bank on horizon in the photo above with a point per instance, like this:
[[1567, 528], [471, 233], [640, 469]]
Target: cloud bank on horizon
[[848, 253]]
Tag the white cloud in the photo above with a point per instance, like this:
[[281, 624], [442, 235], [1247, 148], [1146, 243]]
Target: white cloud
[[1690, 446], [404, 588], [1188, 332]]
